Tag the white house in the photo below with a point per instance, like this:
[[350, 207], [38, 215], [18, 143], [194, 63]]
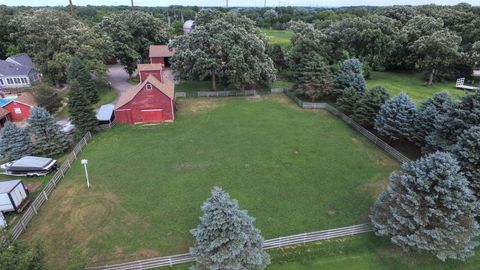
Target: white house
[[18, 71]]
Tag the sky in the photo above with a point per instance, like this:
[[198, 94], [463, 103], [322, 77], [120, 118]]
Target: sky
[[236, 3]]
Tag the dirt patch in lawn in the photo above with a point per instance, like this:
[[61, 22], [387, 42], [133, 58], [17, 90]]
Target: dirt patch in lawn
[[374, 188], [33, 186], [198, 105]]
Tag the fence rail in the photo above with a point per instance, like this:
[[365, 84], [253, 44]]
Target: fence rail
[[365, 132], [180, 94], [226, 93], [268, 244], [42, 197]]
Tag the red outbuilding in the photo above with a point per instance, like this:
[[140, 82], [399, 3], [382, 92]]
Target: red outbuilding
[[20, 107], [4, 117], [151, 101], [161, 54]]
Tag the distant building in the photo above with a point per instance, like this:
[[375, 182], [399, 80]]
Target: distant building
[[18, 108], [161, 54], [151, 101], [188, 26], [18, 71]]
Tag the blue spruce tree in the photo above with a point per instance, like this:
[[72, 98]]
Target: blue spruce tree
[[458, 118], [396, 118], [429, 206], [46, 136], [226, 238], [467, 152], [350, 74], [427, 115], [14, 142]]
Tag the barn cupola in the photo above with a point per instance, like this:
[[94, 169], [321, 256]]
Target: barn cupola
[[155, 70]]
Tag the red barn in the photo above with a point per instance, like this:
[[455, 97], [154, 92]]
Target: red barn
[[20, 107], [151, 101], [160, 54], [4, 117], [150, 69]]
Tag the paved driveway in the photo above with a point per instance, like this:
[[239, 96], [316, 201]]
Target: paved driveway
[[118, 79]]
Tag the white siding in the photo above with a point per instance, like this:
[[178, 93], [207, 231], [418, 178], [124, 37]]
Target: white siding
[[5, 203]]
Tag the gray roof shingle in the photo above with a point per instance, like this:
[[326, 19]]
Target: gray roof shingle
[[10, 69], [21, 59]]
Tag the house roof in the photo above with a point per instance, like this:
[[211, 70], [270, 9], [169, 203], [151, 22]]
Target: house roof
[[105, 112], [5, 101], [12, 69], [145, 67], [166, 86], [21, 59], [27, 98], [7, 186], [161, 51], [3, 112]]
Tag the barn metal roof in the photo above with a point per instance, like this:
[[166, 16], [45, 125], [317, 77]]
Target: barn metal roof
[[105, 112], [7, 186], [161, 51]]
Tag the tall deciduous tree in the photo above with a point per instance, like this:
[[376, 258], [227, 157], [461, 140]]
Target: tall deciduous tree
[[436, 51], [368, 106], [226, 47], [132, 33], [46, 136], [396, 118], [52, 37], [78, 71], [467, 152], [14, 142], [429, 206], [226, 237], [81, 112]]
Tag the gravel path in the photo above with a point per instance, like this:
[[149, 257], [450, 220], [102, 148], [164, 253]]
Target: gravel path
[[118, 79]]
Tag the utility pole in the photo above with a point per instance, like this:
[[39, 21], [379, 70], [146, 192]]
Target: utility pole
[[133, 7], [227, 3], [72, 9]]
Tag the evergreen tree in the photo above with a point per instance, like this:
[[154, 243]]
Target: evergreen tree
[[467, 152], [314, 80], [429, 206], [367, 108], [348, 98], [396, 118], [226, 238], [46, 136], [81, 114], [459, 117], [427, 115], [14, 142], [349, 75], [78, 71]]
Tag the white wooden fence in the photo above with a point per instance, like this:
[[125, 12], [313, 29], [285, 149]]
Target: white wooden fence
[[42, 197], [268, 244], [180, 94], [365, 132], [226, 93]]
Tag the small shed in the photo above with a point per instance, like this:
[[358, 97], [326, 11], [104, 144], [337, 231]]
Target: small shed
[[20, 107], [13, 196], [105, 114]]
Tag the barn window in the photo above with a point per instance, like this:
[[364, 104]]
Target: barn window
[[149, 86], [18, 110]]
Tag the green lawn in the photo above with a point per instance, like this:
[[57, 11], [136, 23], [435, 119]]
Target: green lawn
[[294, 170], [411, 83], [280, 37]]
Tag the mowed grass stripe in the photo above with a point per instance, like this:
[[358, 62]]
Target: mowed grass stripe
[[295, 171]]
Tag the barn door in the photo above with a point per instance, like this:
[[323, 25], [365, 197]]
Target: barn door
[[152, 116]]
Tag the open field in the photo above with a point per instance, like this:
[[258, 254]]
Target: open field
[[280, 37], [411, 83], [294, 170]]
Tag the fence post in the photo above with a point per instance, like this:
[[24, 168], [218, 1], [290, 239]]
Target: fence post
[[45, 195], [170, 261], [34, 209]]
